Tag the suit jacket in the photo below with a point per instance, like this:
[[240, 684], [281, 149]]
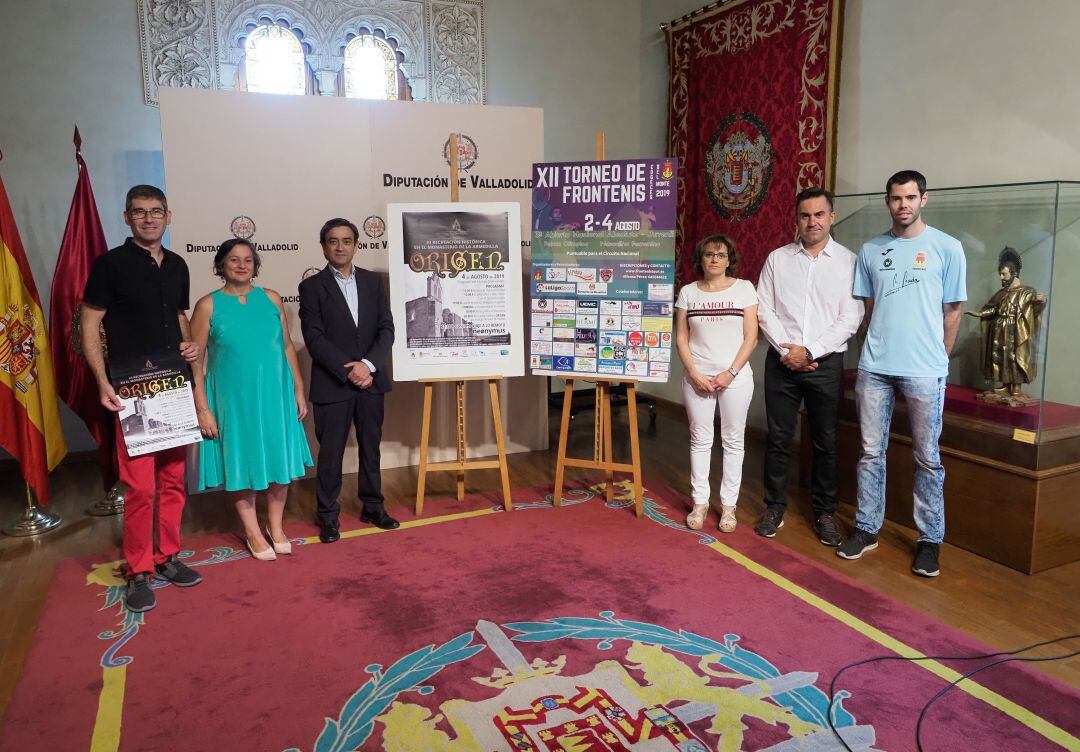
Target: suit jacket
[[334, 339]]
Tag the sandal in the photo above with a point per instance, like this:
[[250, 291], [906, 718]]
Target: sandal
[[696, 518], [727, 520]]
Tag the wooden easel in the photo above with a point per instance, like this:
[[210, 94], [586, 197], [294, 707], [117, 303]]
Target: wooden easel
[[461, 463], [602, 455]]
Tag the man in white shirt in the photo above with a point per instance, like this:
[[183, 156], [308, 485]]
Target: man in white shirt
[[807, 313]]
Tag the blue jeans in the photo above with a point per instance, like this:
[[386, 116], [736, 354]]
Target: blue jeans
[[875, 395]]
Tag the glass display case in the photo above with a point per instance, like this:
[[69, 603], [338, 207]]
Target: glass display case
[[1041, 222], [1012, 461]]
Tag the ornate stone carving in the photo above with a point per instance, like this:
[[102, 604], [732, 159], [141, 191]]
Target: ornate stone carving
[[176, 44], [457, 51], [198, 43]]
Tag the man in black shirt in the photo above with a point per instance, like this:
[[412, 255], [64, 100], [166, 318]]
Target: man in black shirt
[[139, 291]]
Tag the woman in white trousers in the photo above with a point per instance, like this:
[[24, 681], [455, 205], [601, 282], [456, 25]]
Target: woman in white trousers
[[716, 329]]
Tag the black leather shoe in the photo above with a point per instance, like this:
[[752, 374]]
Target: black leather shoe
[[328, 532], [381, 520]]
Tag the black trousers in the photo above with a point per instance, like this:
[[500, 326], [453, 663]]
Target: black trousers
[[785, 390], [364, 412]]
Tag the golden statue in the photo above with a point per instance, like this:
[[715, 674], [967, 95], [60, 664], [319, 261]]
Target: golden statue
[[1010, 324]]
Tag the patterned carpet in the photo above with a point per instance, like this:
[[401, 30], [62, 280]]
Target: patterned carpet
[[542, 629]]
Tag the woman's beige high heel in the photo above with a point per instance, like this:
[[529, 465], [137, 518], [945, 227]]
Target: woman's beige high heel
[[282, 548], [267, 555]]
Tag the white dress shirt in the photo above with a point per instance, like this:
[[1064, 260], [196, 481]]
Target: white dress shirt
[[347, 285], [807, 301]]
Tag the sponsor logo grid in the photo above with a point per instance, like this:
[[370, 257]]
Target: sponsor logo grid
[[604, 336]]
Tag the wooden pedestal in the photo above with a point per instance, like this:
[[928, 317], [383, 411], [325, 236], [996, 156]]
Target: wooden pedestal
[[1014, 502]]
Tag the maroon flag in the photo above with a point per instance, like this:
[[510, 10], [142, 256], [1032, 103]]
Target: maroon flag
[[84, 241]]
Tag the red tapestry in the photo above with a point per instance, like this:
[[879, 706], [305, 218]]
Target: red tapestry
[[751, 120]]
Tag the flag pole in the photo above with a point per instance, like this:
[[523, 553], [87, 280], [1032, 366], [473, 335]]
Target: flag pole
[[112, 503], [34, 520]]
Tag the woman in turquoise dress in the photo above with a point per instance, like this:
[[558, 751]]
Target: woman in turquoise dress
[[249, 396]]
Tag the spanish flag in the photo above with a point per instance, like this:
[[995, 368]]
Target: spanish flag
[[29, 418]]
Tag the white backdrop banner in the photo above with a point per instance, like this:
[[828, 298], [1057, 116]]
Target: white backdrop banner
[[274, 168]]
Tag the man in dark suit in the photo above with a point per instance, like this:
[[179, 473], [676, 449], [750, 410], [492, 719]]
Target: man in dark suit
[[348, 329]]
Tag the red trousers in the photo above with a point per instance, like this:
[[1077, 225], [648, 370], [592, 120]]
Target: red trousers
[[160, 474]]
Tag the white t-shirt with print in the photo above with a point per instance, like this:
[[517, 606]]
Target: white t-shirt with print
[[715, 320]]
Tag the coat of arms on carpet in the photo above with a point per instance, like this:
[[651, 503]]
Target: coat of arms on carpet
[[667, 690]]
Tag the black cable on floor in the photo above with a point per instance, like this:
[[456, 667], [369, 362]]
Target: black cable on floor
[[926, 707], [935, 698]]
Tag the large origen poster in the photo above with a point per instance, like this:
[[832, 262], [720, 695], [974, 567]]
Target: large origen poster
[[455, 282], [603, 268]]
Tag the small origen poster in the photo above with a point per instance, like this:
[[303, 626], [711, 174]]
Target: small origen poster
[[455, 290], [158, 405]]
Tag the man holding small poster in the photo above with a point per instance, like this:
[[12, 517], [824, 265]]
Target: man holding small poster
[[139, 292]]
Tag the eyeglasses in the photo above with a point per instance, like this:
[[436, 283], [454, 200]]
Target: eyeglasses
[[714, 256], [156, 213]]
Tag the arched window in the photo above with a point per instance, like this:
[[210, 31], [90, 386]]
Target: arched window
[[438, 47], [371, 69], [274, 61]]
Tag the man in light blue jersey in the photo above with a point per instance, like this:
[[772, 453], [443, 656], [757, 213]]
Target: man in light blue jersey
[[913, 279]]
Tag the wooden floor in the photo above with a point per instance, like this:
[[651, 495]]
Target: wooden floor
[[996, 605]]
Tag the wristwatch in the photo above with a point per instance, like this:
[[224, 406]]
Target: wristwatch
[[809, 355], [732, 371]]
